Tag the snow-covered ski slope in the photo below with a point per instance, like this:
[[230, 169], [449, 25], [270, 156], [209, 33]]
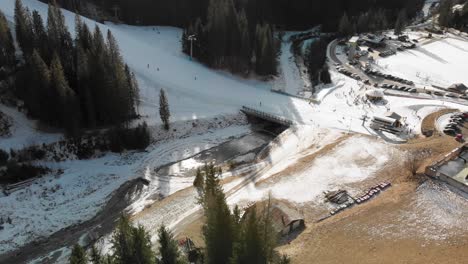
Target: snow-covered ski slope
[[194, 90]]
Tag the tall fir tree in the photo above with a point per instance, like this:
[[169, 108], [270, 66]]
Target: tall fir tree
[[168, 249], [251, 250], [88, 83], [131, 244], [164, 112], [23, 28], [265, 50], [400, 23], [7, 47], [198, 182], [142, 252], [445, 13], [40, 41], [67, 108], [95, 256], [345, 27], [78, 255], [363, 23], [217, 231], [38, 92]]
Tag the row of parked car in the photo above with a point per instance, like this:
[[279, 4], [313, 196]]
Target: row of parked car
[[399, 88], [388, 76], [456, 120], [348, 73], [387, 53], [450, 95]]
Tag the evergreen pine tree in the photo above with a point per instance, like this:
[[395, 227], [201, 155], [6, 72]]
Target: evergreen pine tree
[[122, 241], [445, 13], [78, 255], [199, 181], [345, 27], [168, 250], [67, 108], [23, 27], [217, 231], [40, 36], [7, 48], [363, 24], [253, 250], [38, 91], [164, 111], [131, 244], [265, 50], [142, 252], [400, 23], [325, 75], [95, 256]]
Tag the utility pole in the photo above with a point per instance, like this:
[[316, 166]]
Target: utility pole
[[192, 38]]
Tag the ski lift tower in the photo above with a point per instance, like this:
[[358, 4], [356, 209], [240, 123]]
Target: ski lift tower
[[191, 38]]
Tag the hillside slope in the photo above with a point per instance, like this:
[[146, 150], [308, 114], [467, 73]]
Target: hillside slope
[[195, 91]]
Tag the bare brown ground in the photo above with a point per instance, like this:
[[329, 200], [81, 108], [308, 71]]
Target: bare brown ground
[[303, 162], [333, 241], [340, 239]]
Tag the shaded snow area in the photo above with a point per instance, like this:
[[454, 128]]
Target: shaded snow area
[[290, 79], [294, 144], [163, 184], [23, 132], [54, 202], [441, 63], [434, 212], [351, 161]]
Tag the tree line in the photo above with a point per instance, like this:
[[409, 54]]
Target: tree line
[[238, 35], [71, 83], [229, 237], [453, 18], [7, 47], [226, 39], [293, 15]]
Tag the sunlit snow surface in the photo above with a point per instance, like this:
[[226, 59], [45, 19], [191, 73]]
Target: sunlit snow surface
[[197, 92]]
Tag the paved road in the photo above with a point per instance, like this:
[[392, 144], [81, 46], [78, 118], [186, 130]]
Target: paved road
[[331, 52]]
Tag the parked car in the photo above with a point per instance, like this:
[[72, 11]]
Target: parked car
[[450, 132]]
